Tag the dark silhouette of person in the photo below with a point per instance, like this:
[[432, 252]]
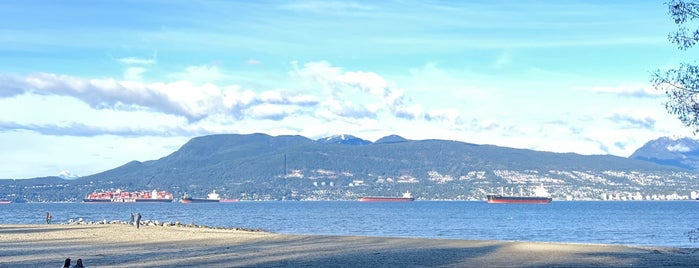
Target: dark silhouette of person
[[66, 264], [138, 220], [79, 264]]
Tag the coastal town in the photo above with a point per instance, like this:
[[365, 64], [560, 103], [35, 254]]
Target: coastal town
[[472, 186]]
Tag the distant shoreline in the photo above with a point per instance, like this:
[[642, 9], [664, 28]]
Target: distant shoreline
[[121, 245], [355, 200]]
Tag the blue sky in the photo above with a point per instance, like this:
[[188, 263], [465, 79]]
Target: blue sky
[[86, 86]]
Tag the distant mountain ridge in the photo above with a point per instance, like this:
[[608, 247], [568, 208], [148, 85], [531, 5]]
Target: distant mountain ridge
[[391, 139], [263, 167], [677, 152], [264, 163], [344, 139]]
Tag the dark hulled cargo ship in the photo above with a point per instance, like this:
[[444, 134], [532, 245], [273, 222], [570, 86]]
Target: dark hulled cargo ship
[[213, 197]]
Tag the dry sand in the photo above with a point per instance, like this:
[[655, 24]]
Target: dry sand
[[117, 245]]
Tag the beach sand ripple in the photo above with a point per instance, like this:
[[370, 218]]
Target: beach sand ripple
[[119, 245]]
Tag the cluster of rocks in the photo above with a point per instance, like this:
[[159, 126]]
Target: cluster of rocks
[[163, 224]]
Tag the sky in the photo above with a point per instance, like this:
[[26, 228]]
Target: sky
[[87, 86]]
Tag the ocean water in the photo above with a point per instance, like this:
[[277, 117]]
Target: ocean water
[[639, 223]]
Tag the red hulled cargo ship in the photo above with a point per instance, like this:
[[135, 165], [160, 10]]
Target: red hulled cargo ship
[[407, 197], [119, 196]]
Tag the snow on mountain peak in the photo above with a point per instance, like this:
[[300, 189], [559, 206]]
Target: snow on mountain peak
[[66, 174], [336, 136], [678, 146]]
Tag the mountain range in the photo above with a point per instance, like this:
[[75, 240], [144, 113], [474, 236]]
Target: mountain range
[[679, 152], [344, 167]]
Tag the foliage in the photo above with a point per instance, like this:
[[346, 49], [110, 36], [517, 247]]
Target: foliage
[[683, 12], [681, 85]]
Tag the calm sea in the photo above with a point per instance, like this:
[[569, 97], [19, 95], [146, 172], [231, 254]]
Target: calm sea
[[660, 223]]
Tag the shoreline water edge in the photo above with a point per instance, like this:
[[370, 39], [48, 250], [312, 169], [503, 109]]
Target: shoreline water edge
[[662, 224], [119, 244]]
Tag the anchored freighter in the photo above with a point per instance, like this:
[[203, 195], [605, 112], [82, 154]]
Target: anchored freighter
[[540, 197], [119, 196], [407, 197], [213, 197], [496, 198]]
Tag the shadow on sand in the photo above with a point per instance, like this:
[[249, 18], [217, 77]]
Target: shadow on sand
[[322, 251]]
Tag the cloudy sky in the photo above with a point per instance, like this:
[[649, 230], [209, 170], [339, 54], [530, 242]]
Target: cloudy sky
[[86, 86]]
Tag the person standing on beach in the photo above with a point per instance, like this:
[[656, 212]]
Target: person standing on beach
[[138, 220], [48, 218], [131, 218], [79, 264]]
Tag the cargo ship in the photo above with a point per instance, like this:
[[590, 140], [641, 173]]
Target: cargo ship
[[407, 197], [119, 196], [499, 199], [540, 197], [213, 197]]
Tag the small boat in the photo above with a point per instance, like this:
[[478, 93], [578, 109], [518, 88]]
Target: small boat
[[213, 197], [407, 197], [5, 201], [540, 197], [229, 200]]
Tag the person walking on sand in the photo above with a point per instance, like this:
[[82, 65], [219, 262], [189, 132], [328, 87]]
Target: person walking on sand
[[131, 219], [138, 220], [79, 264]]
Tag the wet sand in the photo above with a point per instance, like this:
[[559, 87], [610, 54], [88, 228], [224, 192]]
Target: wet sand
[[118, 245]]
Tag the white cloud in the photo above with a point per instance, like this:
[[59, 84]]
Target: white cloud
[[409, 112], [11, 86], [253, 62], [134, 73], [201, 74], [347, 109], [448, 115], [234, 98], [287, 97], [631, 90], [136, 61], [504, 59], [270, 111], [182, 98], [366, 89], [328, 100], [367, 81], [639, 118]]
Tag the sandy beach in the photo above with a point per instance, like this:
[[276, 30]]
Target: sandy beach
[[118, 245]]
